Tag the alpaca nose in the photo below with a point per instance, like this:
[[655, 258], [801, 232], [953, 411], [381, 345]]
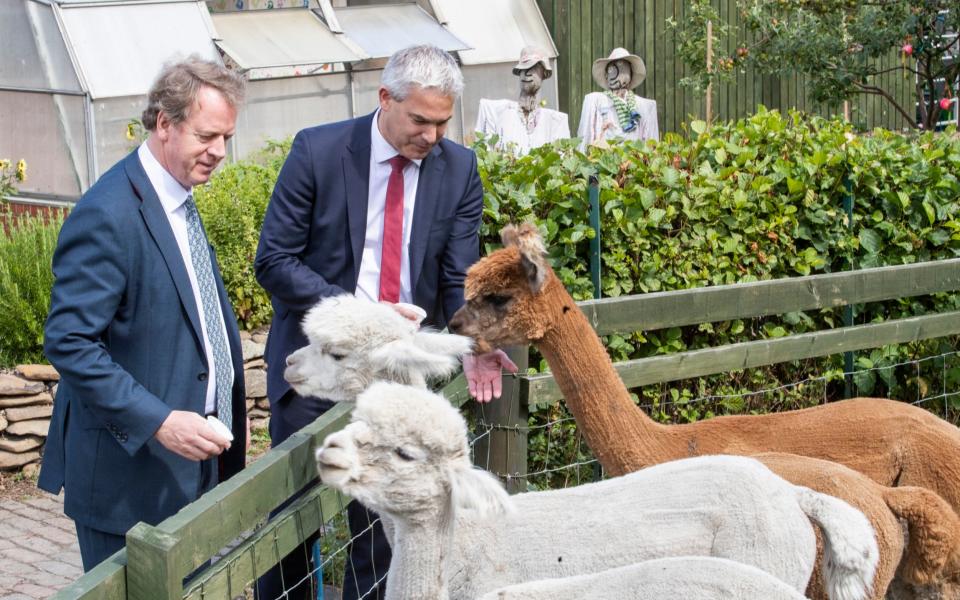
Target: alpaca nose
[[455, 325], [334, 440]]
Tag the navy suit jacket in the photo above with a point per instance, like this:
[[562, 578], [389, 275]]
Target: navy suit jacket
[[124, 334], [313, 232]]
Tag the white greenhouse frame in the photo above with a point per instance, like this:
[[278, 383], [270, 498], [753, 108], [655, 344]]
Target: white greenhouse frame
[[82, 68]]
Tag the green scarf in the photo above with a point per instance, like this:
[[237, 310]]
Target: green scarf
[[625, 112]]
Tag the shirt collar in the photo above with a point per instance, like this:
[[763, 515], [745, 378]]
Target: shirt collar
[[171, 193], [380, 148]]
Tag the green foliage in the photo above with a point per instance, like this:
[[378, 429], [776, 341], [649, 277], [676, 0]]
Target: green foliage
[[758, 199], [26, 279], [232, 206], [11, 175], [843, 47]]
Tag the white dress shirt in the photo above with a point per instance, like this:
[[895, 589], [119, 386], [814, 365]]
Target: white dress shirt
[[172, 198], [503, 118], [368, 284], [599, 120]]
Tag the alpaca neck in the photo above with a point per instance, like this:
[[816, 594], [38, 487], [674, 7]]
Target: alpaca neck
[[417, 566], [621, 436]]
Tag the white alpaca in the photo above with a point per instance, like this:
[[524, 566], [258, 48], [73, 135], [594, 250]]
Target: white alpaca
[[354, 342], [456, 534], [687, 577]]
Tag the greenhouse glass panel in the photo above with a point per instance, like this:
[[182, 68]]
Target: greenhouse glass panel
[[121, 47], [279, 38], [111, 116], [42, 62], [382, 30], [278, 108], [496, 29], [47, 131], [366, 86]]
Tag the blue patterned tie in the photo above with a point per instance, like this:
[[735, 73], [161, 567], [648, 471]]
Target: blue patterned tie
[[210, 306]]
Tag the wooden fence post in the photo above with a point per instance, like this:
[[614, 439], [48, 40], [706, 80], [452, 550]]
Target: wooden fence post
[[593, 198], [153, 571], [709, 107], [503, 451]]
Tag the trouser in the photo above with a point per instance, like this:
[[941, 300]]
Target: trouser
[[97, 546], [368, 554]]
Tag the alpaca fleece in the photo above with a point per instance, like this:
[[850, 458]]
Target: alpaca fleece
[[687, 577], [456, 534], [354, 342]]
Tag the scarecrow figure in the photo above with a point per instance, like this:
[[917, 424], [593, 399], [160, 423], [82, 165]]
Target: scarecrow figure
[[618, 113], [525, 123]]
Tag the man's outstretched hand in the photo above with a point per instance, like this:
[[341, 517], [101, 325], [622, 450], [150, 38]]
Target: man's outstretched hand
[[483, 372]]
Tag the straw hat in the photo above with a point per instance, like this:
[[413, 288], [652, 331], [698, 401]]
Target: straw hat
[[530, 56], [638, 69]]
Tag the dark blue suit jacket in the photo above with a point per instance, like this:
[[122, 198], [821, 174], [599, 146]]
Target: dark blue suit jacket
[[124, 334], [312, 237]]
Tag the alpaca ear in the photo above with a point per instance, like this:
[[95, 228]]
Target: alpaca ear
[[445, 344], [475, 489], [535, 271], [509, 235], [533, 254], [405, 357]]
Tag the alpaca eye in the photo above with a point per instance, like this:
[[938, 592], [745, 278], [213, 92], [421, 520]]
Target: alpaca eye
[[337, 357], [403, 454], [497, 300]]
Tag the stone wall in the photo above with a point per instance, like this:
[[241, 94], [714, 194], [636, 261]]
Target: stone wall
[[26, 404]]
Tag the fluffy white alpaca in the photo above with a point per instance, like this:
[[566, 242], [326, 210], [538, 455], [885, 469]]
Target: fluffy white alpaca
[[354, 342], [456, 534], [687, 577]]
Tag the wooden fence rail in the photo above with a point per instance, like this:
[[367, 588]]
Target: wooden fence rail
[[156, 559]]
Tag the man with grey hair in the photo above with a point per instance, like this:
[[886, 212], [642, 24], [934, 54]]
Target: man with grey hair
[[384, 208], [140, 328]]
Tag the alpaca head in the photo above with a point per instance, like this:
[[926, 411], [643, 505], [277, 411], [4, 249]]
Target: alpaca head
[[505, 291], [405, 454], [354, 342]]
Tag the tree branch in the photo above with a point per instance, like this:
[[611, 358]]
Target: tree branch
[[872, 89]]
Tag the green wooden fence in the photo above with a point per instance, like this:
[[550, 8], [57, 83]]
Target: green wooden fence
[[584, 30], [158, 558]]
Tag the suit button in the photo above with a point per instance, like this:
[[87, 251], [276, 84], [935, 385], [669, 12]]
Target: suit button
[[202, 376], [123, 437]]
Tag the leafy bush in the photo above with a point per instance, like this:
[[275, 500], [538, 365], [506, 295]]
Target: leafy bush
[[26, 279], [760, 198], [232, 205]]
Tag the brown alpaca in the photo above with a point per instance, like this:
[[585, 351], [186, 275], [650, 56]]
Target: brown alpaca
[[933, 554], [513, 297]]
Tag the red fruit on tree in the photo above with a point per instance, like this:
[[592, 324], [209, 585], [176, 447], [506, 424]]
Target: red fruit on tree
[[907, 49], [945, 103]]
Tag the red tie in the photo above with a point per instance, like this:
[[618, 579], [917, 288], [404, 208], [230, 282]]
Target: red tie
[[392, 233]]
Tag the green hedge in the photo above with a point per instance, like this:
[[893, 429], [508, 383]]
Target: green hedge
[[26, 278], [232, 206], [760, 198]]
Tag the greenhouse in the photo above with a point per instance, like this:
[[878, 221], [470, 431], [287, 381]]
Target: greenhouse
[[72, 99]]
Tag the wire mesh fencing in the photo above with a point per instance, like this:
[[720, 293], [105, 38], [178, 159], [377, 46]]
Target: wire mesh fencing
[[557, 456]]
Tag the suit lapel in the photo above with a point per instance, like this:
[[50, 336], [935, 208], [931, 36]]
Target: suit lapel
[[428, 193], [356, 176], [159, 227]]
